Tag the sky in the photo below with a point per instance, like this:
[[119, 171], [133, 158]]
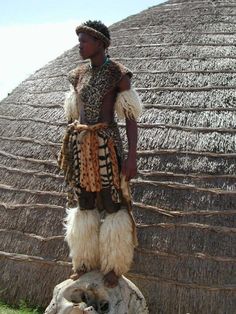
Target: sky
[[34, 32]]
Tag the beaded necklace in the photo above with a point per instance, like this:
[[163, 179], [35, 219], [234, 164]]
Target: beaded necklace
[[94, 67]]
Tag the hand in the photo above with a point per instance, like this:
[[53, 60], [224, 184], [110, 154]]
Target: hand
[[129, 168]]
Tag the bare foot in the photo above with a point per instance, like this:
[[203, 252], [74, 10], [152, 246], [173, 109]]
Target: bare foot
[[77, 274], [111, 279]]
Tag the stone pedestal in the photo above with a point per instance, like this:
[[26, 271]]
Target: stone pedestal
[[89, 295]]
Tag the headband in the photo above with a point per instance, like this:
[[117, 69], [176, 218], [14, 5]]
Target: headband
[[93, 32]]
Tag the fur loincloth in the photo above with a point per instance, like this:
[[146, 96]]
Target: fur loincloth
[[89, 160]]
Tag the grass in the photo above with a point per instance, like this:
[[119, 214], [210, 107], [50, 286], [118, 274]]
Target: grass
[[23, 308]]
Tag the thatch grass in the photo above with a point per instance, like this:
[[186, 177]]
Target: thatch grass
[[182, 54]]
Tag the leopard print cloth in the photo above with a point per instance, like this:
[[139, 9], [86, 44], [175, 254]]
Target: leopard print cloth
[[92, 84], [89, 161]]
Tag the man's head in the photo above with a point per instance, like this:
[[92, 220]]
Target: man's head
[[93, 36]]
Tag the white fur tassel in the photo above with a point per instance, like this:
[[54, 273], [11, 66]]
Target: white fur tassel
[[82, 236], [116, 243], [128, 105], [71, 105]]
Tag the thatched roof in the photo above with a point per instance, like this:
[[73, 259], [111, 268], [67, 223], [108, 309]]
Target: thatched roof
[[183, 57]]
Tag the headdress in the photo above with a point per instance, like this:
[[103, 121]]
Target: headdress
[[93, 32]]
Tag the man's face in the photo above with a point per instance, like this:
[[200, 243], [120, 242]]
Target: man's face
[[88, 46]]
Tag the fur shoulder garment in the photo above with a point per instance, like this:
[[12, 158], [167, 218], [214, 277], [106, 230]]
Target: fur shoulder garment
[[128, 105], [89, 86]]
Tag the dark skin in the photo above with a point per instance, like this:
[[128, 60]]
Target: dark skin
[[93, 49]]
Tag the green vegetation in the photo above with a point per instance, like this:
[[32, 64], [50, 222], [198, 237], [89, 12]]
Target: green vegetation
[[23, 308]]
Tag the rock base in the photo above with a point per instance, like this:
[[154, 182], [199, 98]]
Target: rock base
[[89, 295]]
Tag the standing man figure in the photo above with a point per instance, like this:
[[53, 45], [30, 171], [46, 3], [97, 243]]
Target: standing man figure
[[93, 162]]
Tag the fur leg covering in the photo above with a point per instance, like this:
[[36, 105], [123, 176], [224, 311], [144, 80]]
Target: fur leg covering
[[82, 236], [116, 243]]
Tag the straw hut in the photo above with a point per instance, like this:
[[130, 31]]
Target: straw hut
[[183, 57]]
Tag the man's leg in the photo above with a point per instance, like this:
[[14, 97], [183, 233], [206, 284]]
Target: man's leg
[[115, 241], [82, 235]]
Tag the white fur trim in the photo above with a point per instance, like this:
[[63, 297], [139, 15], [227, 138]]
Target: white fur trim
[[128, 105], [82, 236], [71, 105], [116, 243]]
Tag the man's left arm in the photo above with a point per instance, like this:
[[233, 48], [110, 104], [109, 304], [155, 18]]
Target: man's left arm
[[128, 106]]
